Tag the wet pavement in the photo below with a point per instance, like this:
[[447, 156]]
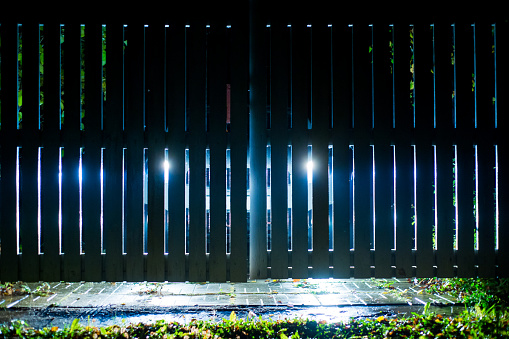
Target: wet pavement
[[105, 303]]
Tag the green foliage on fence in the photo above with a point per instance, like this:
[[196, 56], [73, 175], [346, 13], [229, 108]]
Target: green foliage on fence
[[62, 67]]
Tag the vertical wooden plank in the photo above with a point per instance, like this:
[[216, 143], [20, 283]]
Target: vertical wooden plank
[[501, 102], [321, 108], [134, 161], [363, 154], [464, 114], [485, 91], [8, 232], [71, 237], [196, 77], [217, 80], [424, 206], [238, 150], [404, 153], [342, 161], [486, 207], [91, 177], [50, 155], [257, 146], [155, 35], [113, 153], [28, 171], [301, 92], [384, 167], [280, 57], [424, 124], [175, 110], [444, 149], [465, 123]]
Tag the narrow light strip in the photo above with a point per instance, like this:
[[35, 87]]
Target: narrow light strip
[[415, 197], [228, 201], [435, 246], [331, 197], [186, 198], [165, 199], [268, 181], [60, 151], [80, 183], [497, 206], [207, 200], [310, 196], [39, 251], [289, 181], [455, 192], [476, 245], [124, 178], [145, 200], [394, 194], [352, 245], [17, 199], [374, 197], [102, 200]]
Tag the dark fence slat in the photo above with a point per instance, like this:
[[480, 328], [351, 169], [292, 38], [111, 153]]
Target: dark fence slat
[[91, 186], [71, 237], [238, 151], [342, 161], [465, 123], [196, 78], [9, 257], [425, 207], [465, 188], [405, 217], [301, 92], [484, 80], [363, 152], [404, 157], [424, 124], [383, 151], [50, 155], [113, 153], [486, 208], [135, 158], [501, 101], [217, 80], [280, 57], [424, 76], [321, 111], [155, 48], [175, 110], [485, 92], [464, 91], [257, 149], [444, 149], [29, 239]]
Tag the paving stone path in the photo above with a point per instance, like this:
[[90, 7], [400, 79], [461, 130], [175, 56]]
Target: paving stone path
[[288, 292]]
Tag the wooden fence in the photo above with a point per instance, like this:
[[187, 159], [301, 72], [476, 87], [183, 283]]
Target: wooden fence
[[221, 152]]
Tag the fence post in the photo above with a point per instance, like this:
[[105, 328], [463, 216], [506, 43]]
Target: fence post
[[280, 57]]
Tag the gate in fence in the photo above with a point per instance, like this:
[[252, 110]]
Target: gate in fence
[[220, 152]]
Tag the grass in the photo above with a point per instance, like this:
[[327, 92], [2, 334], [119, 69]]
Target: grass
[[485, 316]]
